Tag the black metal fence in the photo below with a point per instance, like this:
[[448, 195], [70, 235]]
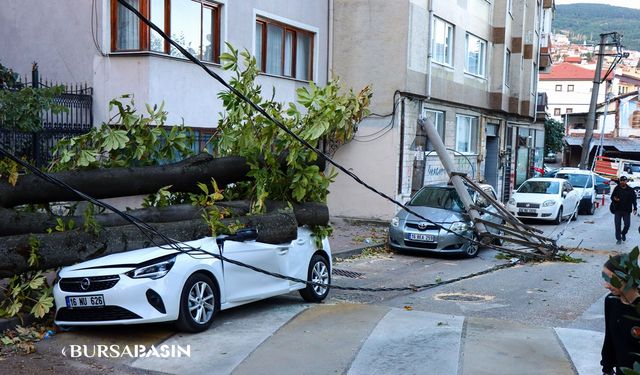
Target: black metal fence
[[76, 119]]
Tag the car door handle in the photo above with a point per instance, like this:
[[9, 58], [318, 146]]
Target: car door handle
[[301, 241], [283, 250]]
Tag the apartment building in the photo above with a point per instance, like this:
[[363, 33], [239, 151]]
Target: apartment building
[[568, 87], [102, 43], [470, 66]]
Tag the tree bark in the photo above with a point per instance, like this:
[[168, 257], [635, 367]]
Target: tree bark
[[70, 247], [123, 182], [16, 222]]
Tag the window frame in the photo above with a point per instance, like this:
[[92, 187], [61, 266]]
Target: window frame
[[558, 88], [449, 29], [568, 111], [557, 111], [144, 32], [570, 88], [440, 126], [482, 61], [265, 21], [473, 143]]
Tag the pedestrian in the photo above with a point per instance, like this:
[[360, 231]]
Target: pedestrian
[[623, 199], [621, 345]]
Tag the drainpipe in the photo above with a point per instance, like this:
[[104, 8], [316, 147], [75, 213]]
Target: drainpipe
[[401, 156], [429, 56], [330, 41]]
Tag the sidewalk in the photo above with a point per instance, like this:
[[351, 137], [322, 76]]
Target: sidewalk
[[350, 237], [366, 339]]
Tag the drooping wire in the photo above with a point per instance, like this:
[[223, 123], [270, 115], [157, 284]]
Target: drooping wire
[[284, 128]]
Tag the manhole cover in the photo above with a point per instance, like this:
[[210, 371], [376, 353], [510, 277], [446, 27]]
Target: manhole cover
[[462, 297], [349, 274]]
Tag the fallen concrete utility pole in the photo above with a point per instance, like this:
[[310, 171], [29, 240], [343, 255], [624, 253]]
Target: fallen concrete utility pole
[[454, 176]]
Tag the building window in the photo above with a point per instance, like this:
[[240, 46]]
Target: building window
[[442, 42], [569, 110], [284, 50], [556, 111], [558, 87], [507, 67], [437, 118], [466, 134], [195, 25], [570, 88], [475, 52]]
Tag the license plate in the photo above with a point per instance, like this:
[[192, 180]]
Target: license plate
[[528, 210], [420, 237], [96, 300]]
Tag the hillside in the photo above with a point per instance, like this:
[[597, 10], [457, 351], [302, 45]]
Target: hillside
[[585, 22]]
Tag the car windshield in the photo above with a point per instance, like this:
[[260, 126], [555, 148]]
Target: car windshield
[[438, 197], [577, 180], [634, 168], [540, 187]]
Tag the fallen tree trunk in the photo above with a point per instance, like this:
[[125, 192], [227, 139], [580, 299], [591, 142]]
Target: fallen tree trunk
[[70, 247], [122, 182], [15, 222]]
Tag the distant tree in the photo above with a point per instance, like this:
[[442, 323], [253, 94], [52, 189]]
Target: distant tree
[[553, 134]]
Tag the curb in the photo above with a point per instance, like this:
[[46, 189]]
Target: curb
[[356, 251]]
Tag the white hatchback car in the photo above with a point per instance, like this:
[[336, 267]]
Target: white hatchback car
[[161, 284], [546, 199]]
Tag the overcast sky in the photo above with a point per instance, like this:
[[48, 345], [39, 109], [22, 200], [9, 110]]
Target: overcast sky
[[620, 3]]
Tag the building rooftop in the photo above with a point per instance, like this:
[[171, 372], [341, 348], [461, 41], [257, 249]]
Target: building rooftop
[[570, 72]]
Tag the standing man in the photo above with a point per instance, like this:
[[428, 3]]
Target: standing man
[[624, 201]]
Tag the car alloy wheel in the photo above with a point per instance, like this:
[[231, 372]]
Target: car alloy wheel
[[199, 303], [319, 272]]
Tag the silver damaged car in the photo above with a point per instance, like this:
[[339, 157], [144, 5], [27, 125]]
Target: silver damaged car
[[442, 205]]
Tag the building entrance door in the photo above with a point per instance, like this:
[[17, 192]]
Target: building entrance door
[[491, 162]]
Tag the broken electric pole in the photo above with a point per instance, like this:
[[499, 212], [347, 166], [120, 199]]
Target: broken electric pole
[[591, 117]]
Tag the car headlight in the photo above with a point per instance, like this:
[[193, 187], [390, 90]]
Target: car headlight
[[459, 227], [512, 201], [395, 221], [549, 203], [154, 270]]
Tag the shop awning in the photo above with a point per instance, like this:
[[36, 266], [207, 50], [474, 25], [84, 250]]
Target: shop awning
[[620, 144]]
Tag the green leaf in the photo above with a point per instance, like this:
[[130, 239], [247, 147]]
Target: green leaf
[[43, 306], [36, 282], [115, 139], [87, 157]]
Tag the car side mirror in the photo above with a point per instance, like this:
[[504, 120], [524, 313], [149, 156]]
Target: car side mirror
[[244, 234], [564, 194]]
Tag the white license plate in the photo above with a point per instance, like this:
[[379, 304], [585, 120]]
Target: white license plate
[[528, 210], [96, 300], [420, 237]]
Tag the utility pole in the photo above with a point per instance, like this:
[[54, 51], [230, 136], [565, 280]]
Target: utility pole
[[591, 117]]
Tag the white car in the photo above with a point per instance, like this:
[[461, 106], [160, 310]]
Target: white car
[[546, 199], [584, 182], [161, 284]]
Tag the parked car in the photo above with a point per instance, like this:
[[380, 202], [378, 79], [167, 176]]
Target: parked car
[[603, 185], [583, 182], [551, 157], [549, 172], [546, 199], [442, 205], [161, 284]]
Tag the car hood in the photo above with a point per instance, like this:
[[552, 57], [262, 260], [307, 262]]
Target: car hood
[[437, 215], [125, 261], [533, 198]]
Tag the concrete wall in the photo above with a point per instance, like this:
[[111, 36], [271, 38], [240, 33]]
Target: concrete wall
[[62, 44], [370, 47]]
